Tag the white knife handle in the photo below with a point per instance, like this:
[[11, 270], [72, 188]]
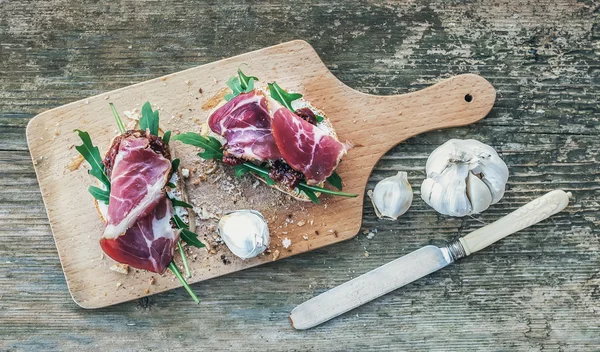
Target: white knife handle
[[527, 215]]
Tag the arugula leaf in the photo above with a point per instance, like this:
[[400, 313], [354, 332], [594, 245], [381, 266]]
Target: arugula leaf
[[100, 194], [211, 146], [239, 84], [188, 236], [191, 238], [246, 82], [180, 203], [335, 180], [179, 222], [303, 186], [319, 118], [187, 287], [149, 119], [240, 170], [261, 171], [171, 185], [166, 137], [91, 154], [117, 118], [282, 96], [184, 259], [311, 195], [236, 87], [175, 164]]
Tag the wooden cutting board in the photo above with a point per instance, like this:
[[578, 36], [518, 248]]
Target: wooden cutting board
[[374, 124]]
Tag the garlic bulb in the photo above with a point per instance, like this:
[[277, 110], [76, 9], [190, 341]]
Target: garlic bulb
[[463, 177], [245, 232], [392, 196]]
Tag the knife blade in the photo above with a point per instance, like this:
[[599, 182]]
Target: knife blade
[[421, 262]]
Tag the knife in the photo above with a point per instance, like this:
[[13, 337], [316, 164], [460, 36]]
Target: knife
[[421, 262]]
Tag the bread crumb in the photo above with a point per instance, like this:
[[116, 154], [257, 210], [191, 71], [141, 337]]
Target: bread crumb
[[286, 243], [301, 223], [120, 268], [101, 255], [75, 162], [152, 280], [147, 291], [119, 284], [366, 254], [370, 235], [275, 254], [185, 173], [305, 237]]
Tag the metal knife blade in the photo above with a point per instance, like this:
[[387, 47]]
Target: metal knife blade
[[369, 286], [422, 262]]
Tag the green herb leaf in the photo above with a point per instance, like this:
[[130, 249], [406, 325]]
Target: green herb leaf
[[303, 186], [166, 137], [180, 203], [188, 274], [92, 155], [211, 146], [239, 84], [311, 195], [282, 96], [100, 194], [149, 119], [261, 171], [246, 82], [171, 185], [335, 180], [240, 170], [175, 164], [319, 118], [191, 238], [187, 287], [179, 222], [117, 118], [236, 88]]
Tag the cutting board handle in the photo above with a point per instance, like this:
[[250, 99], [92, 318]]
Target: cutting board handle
[[382, 122]]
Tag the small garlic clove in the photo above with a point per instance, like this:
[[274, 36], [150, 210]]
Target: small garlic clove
[[478, 193], [392, 196], [245, 232]]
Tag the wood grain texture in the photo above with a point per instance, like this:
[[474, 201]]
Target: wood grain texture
[[373, 124], [535, 291]]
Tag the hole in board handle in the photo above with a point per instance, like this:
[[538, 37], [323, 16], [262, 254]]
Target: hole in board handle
[[468, 98]]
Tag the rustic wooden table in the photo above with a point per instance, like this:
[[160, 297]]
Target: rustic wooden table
[[538, 290]]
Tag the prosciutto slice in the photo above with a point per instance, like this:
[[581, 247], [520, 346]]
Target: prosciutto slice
[[149, 244], [138, 178], [305, 147], [245, 123]]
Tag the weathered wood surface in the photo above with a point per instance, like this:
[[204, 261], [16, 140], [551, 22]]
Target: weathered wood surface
[[537, 290]]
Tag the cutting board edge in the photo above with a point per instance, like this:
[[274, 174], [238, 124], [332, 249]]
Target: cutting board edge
[[74, 294]]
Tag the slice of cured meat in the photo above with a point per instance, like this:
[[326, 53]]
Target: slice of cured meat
[[245, 123], [138, 178], [149, 244], [305, 147]]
